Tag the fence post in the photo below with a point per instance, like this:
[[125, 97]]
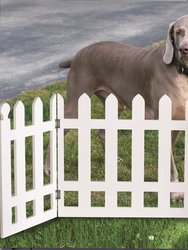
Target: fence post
[[5, 170]]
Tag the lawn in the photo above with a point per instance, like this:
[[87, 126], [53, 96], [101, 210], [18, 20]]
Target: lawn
[[100, 233]]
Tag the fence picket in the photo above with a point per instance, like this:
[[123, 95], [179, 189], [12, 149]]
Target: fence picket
[[37, 119], [84, 151], [164, 151], [138, 116], [5, 170], [19, 160], [111, 157], [53, 145], [60, 153]]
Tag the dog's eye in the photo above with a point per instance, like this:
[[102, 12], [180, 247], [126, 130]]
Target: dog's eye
[[178, 33]]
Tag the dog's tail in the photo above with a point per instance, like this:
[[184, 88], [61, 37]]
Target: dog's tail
[[65, 64]]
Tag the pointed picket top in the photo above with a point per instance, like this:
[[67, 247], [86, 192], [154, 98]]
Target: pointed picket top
[[53, 101], [19, 114], [4, 111], [165, 108], [37, 110], [111, 99], [60, 106], [111, 107], [84, 106], [138, 108]]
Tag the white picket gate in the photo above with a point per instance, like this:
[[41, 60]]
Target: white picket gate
[[12, 141]]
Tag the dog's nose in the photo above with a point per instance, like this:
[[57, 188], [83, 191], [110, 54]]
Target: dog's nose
[[184, 49]]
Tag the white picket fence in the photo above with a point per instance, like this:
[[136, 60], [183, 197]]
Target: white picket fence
[[13, 204]]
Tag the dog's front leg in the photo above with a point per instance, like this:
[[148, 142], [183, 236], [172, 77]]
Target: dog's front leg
[[175, 196]]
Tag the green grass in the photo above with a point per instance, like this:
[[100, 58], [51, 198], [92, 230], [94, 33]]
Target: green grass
[[99, 233]]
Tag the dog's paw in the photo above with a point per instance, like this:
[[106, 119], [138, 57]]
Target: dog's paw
[[120, 160], [47, 170], [177, 197]]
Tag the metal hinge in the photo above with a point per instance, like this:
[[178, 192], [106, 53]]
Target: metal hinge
[[57, 123], [58, 194]]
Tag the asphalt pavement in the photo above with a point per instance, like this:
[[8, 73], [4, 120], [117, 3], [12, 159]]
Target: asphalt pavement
[[36, 35]]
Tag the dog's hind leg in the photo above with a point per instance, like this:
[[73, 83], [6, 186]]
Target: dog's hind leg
[[75, 89], [102, 95]]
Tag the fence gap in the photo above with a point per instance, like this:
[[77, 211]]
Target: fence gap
[[150, 199], [124, 154], [176, 204], [71, 199], [97, 158], [47, 202], [46, 157], [29, 162], [151, 155], [14, 215], [124, 199], [97, 199], [179, 155], [71, 155], [30, 209], [12, 168]]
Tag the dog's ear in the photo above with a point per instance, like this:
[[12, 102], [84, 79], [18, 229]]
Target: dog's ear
[[169, 50]]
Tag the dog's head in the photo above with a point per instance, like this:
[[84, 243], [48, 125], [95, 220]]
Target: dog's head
[[177, 42]]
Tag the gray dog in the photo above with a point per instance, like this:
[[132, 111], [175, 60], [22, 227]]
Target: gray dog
[[109, 67]]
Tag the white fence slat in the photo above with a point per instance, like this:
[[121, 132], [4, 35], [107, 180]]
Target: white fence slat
[[53, 150], [60, 145], [138, 116], [111, 157], [37, 120], [5, 170], [53, 140], [19, 159], [164, 152], [84, 151]]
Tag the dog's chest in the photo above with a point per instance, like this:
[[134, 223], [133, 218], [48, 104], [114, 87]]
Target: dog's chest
[[182, 86], [179, 95]]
